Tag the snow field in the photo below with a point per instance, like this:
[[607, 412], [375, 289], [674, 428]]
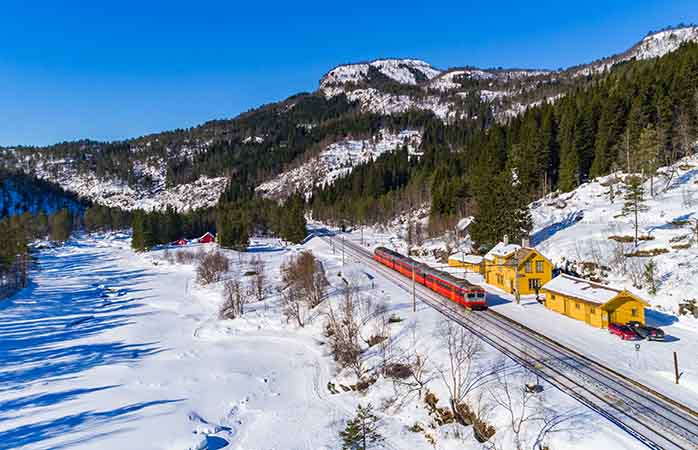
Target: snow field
[[138, 358]]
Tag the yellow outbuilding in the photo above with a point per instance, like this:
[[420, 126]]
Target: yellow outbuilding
[[594, 303], [471, 263], [511, 267]]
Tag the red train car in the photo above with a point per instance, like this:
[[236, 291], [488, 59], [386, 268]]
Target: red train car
[[455, 289]]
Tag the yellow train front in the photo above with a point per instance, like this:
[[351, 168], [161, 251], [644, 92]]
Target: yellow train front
[[460, 291]]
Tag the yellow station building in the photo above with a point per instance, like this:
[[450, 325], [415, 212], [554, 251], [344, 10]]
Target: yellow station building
[[508, 267], [594, 303]]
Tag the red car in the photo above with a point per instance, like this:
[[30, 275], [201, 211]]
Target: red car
[[623, 331]]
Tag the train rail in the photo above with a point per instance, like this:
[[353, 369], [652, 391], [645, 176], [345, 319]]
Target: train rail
[[655, 420]]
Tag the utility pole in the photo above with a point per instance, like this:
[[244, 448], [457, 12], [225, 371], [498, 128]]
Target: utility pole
[[414, 291], [676, 368], [517, 294]]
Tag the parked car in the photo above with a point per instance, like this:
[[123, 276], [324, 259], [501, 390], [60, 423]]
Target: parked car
[[623, 331], [645, 332]]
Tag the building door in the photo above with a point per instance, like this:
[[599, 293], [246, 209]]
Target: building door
[[604, 319]]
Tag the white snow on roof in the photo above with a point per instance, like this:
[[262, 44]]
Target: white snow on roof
[[468, 259], [581, 289], [502, 250]]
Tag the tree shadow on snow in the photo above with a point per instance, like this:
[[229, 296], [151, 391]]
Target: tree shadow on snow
[[656, 318], [547, 232], [38, 432], [43, 331]]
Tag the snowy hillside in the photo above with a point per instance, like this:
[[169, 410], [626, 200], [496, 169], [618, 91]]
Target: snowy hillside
[[149, 192], [588, 229], [336, 161], [403, 71], [654, 45], [663, 42]]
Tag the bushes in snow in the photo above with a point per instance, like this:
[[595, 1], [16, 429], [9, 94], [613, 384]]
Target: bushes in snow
[[211, 267], [306, 286]]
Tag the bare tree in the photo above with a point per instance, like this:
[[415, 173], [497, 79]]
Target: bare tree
[[259, 278], [461, 374], [211, 267], [520, 405], [530, 422], [420, 373], [294, 308], [233, 299], [343, 328], [306, 286]]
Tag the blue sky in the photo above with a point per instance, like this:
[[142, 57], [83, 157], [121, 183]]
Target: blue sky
[[92, 70]]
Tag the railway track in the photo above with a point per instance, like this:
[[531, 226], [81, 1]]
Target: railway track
[[650, 417]]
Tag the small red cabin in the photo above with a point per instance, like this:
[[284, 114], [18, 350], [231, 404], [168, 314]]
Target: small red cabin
[[207, 238], [180, 242]]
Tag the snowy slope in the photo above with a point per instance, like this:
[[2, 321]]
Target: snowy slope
[[654, 45], [403, 71], [337, 160], [663, 42], [149, 192], [577, 227]]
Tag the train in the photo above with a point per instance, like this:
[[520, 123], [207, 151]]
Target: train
[[455, 289]]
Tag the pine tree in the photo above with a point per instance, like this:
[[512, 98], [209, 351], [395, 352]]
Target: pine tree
[[569, 159], [362, 432], [634, 200], [61, 225], [648, 150], [502, 210], [137, 226], [650, 276]]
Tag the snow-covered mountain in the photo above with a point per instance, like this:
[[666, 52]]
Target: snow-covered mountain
[[508, 91], [190, 168], [654, 45], [148, 192], [403, 71], [337, 160]]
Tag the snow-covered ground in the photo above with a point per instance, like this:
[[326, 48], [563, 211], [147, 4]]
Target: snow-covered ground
[[110, 349], [585, 226], [337, 160], [582, 230]]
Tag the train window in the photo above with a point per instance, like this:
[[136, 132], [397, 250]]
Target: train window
[[471, 295], [481, 295]]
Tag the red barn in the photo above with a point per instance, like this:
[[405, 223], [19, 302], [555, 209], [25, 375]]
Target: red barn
[[207, 238]]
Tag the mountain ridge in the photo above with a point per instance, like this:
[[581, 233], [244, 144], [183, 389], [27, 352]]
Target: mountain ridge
[[191, 168]]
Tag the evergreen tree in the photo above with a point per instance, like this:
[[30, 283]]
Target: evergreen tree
[[61, 225], [647, 154], [502, 210], [569, 159], [138, 229], [634, 200], [650, 276], [362, 432]]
